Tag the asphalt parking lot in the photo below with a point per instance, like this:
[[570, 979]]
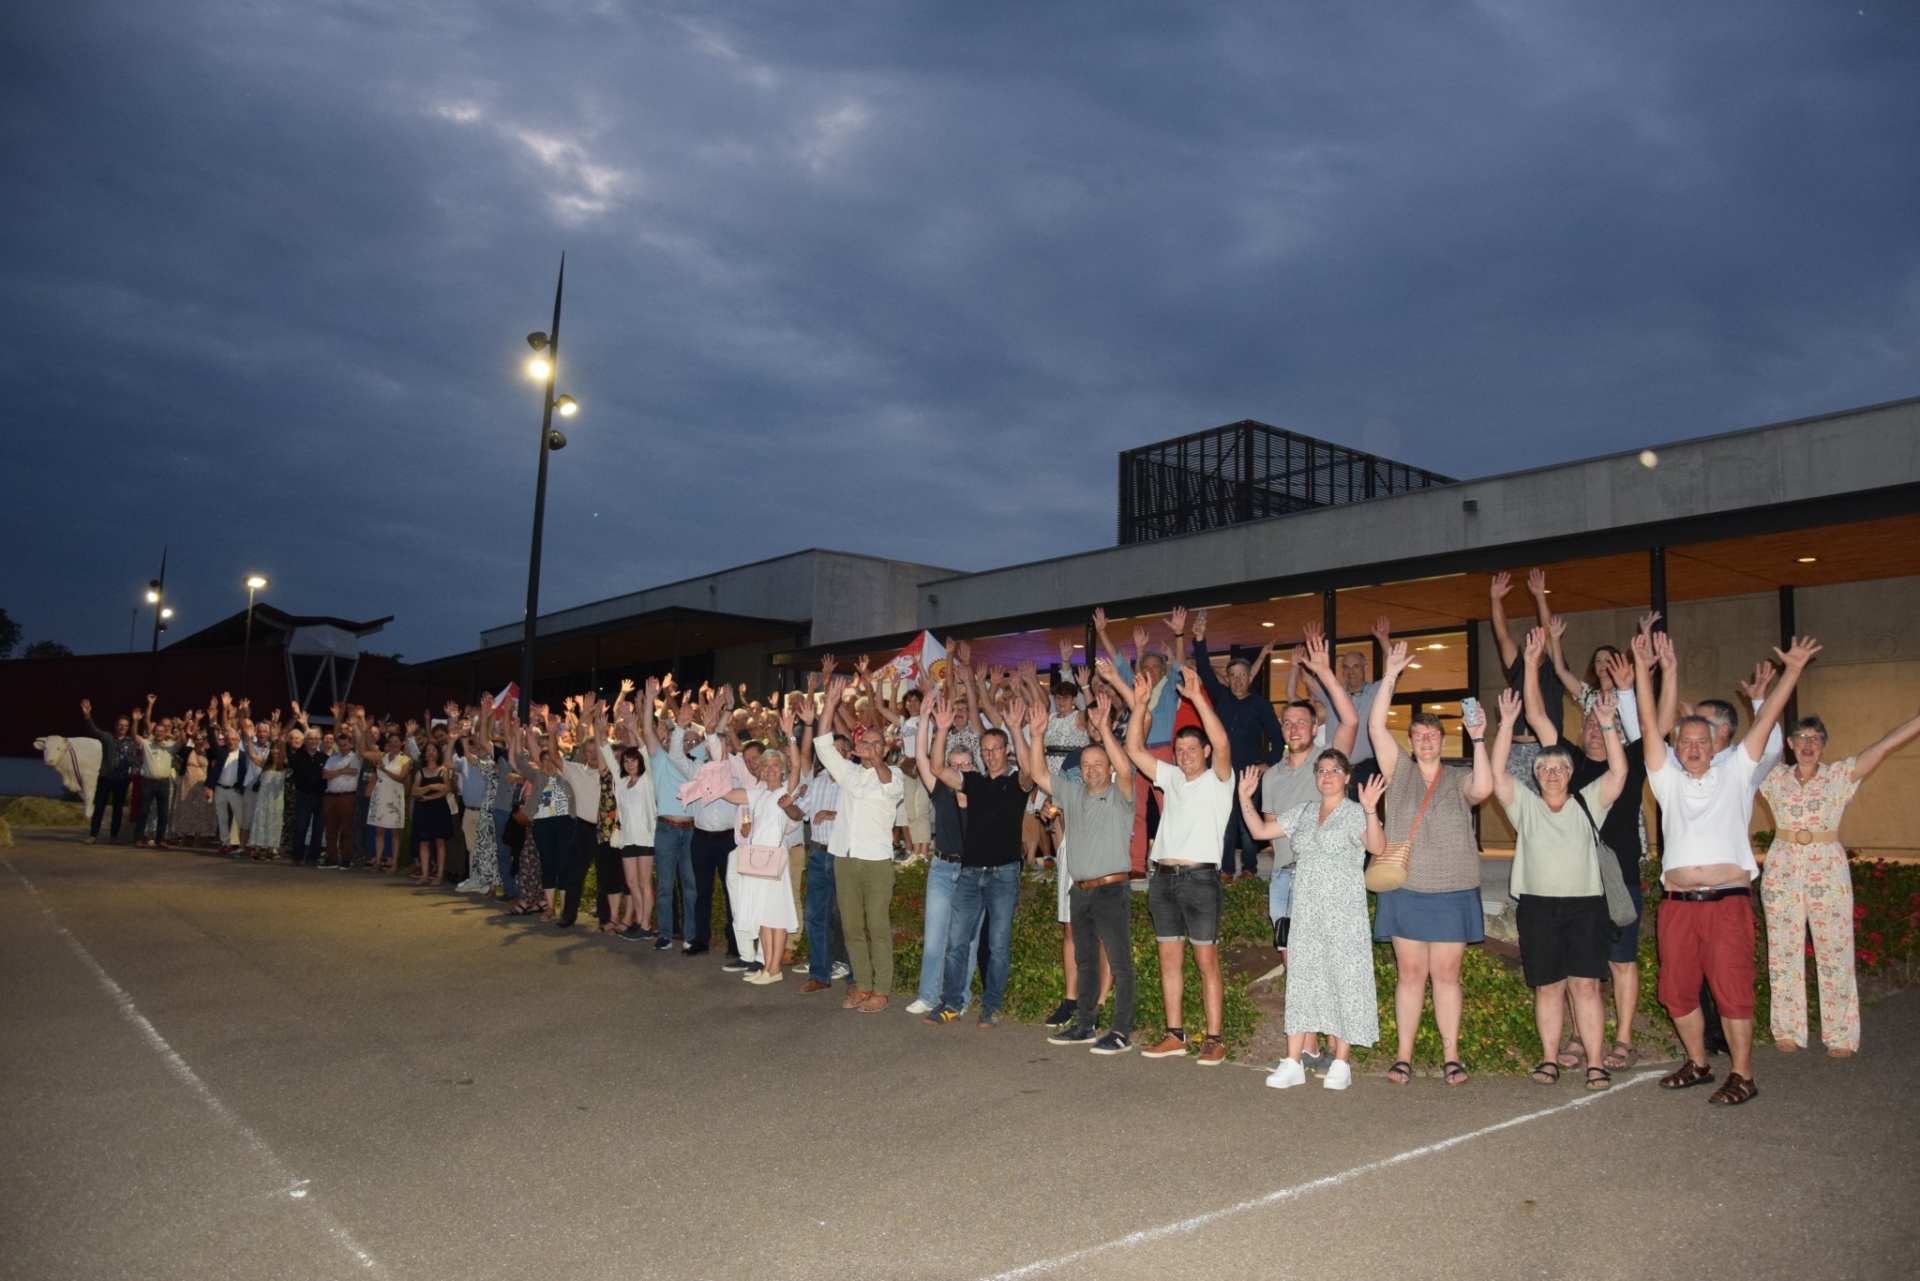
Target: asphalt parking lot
[[246, 1070]]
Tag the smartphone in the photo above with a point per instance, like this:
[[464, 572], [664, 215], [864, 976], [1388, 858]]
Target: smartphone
[[1469, 709]]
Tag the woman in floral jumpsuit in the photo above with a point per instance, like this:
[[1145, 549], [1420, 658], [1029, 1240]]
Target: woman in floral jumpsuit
[[1807, 885]]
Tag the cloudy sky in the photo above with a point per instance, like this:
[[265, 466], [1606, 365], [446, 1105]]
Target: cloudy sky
[[893, 278]]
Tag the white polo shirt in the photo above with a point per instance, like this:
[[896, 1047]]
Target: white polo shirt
[[1704, 820], [1193, 815]]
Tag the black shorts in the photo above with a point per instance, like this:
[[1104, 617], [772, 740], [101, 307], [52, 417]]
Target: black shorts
[[1184, 903], [1563, 938]]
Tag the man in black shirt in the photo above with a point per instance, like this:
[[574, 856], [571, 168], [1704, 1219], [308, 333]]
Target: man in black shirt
[[989, 881], [306, 764], [943, 872], [1526, 746], [1252, 729], [1624, 833]]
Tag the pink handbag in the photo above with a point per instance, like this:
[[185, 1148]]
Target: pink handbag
[[768, 862]]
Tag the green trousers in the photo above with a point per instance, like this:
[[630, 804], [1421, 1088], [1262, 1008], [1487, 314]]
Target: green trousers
[[864, 887]]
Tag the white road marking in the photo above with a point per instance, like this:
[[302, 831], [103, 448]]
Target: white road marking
[[292, 1186], [1299, 1190]]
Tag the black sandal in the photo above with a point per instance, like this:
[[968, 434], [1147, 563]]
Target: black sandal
[[1546, 1072], [1453, 1072], [1598, 1078], [1404, 1070]]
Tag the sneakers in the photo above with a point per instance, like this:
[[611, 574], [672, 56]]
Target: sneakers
[[662, 944], [1112, 1043], [693, 949], [1212, 1052], [1339, 1076], [1169, 1047], [1287, 1075], [841, 970], [941, 1017], [1063, 1015], [1317, 1061], [1072, 1036], [737, 965], [919, 1007], [631, 934], [754, 967]]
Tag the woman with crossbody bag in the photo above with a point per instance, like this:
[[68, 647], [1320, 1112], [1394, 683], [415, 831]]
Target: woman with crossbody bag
[[1436, 912], [758, 877], [1560, 867]]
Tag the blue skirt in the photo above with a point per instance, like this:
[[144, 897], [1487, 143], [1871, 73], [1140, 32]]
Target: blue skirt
[[1453, 917]]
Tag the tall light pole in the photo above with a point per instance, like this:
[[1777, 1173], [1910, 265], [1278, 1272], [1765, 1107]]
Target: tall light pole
[[156, 597], [545, 366], [254, 583]]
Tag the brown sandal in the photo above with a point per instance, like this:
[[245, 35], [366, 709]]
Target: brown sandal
[[1619, 1057], [1690, 1074], [1734, 1091]]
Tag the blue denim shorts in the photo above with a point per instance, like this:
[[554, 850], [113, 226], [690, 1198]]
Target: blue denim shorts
[[1184, 903]]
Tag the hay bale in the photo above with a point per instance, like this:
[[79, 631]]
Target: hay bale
[[41, 811]]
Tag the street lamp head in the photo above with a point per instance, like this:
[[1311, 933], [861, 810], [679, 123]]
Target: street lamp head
[[539, 367], [255, 582], [167, 612], [556, 439], [537, 341], [153, 596], [566, 406]]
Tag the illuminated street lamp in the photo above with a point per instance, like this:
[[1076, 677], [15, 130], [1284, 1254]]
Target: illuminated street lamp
[[255, 582], [545, 367]]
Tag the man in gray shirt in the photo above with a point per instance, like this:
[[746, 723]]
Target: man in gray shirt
[[1098, 812]]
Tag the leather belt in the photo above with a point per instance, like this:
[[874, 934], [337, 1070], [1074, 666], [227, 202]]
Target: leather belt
[[1098, 881], [1809, 838], [1174, 869], [1710, 896], [674, 822]]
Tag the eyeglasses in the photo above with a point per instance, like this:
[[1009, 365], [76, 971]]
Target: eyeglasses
[[1551, 769], [1328, 769], [1805, 738]]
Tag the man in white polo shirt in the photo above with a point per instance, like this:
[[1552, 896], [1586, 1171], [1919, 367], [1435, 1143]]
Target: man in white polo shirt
[[1183, 889], [1705, 922]]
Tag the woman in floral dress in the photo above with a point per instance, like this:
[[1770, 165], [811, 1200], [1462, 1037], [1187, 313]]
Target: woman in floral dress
[[1807, 885], [1330, 987]]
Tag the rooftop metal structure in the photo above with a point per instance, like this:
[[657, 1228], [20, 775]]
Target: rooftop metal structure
[[1244, 471]]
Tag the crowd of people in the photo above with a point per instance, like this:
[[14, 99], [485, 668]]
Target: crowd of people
[[792, 815]]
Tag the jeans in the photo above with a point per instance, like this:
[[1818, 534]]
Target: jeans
[[1100, 921], [992, 892], [1240, 839], [1280, 894], [107, 790], [154, 794], [942, 876], [503, 858], [306, 837], [673, 866], [825, 942], [573, 882], [711, 850]]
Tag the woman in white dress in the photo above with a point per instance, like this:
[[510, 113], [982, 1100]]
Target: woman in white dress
[[1330, 987], [387, 806], [763, 912], [270, 804]]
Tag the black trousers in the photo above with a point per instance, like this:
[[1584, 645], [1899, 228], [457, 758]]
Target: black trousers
[[1100, 921], [154, 797], [710, 853], [105, 790], [579, 859], [307, 833]]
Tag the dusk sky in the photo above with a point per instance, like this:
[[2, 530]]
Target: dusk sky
[[899, 279]]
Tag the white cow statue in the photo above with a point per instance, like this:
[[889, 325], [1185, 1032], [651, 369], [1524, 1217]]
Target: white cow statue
[[76, 761]]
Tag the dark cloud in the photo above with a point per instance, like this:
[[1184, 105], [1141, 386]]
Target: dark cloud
[[267, 268]]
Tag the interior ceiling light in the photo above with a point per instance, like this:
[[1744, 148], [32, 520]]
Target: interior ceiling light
[[1808, 560], [1266, 624]]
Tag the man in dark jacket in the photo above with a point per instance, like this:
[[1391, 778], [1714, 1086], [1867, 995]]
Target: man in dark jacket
[[120, 757], [1252, 729]]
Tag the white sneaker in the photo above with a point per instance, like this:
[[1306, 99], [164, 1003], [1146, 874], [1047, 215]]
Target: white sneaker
[[919, 1007], [470, 886], [1287, 1075], [840, 970], [1339, 1076]]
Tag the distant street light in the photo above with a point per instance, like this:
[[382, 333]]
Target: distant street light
[[255, 582], [544, 366]]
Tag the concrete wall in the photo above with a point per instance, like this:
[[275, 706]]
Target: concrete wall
[[1845, 453], [845, 595], [1865, 681]]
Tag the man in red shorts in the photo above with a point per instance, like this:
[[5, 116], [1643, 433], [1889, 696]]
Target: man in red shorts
[[1705, 923]]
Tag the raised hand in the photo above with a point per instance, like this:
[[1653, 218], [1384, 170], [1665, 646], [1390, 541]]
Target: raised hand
[[942, 713], [1066, 652], [1177, 620], [1763, 674], [1474, 717], [86, 707], [1648, 619], [1535, 646], [1143, 687], [1663, 649], [1297, 656], [786, 724], [805, 710], [1557, 626], [1799, 653], [1099, 618], [1501, 584], [1619, 670], [1509, 707], [964, 652], [1371, 791], [1643, 652], [1606, 707], [1102, 707], [1016, 711], [1200, 625], [1312, 629], [1537, 582], [1249, 781], [827, 665], [1140, 639], [1382, 630], [1191, 689], [626, 686], [1314, 654], [1397, 659], [1037, 720], [860, 665]]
